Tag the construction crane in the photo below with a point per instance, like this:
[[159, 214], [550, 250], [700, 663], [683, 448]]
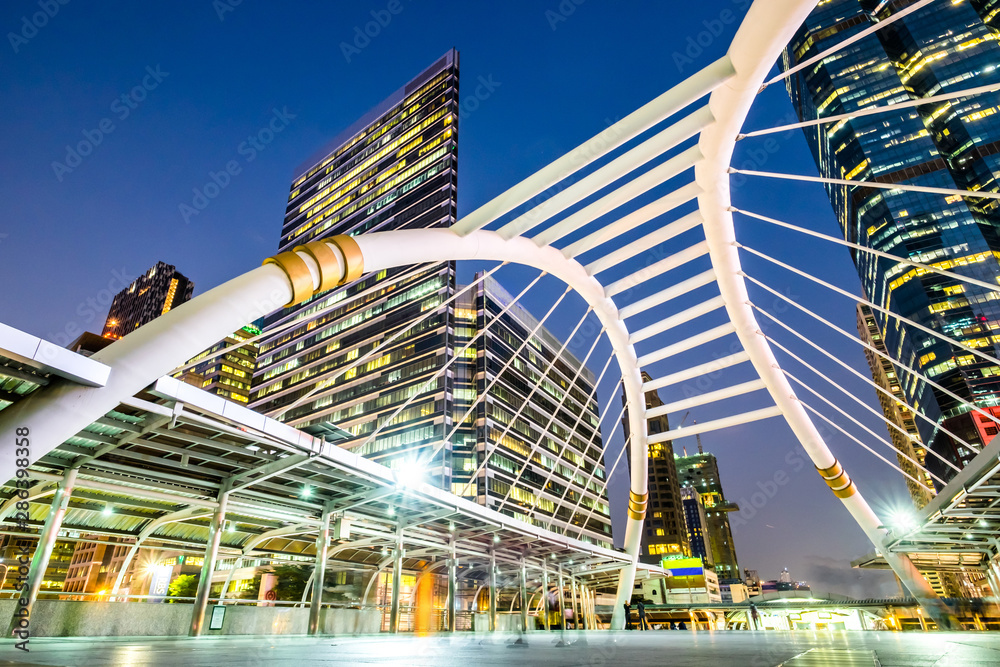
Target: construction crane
[[697, 435]]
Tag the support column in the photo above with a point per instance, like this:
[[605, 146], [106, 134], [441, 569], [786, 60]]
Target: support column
[[562, 612], [319, 573], [545, 595], [524, 596], [397, 575], [208, 565], [132, 551], [991, 576], [237, 564], [452, 587], [576, 610], [493, 590], [46, 542]]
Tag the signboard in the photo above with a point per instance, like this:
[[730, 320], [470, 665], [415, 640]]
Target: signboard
[[218, 615], [267, 595], [683, 567], [159, 582]]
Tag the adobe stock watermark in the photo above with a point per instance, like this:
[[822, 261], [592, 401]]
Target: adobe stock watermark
[[31, 25], [562, 12], [246, 152], [695, 45], [766, 490], [92, 308], [363, 35], [223, 7], [122, 107], [487, 86]]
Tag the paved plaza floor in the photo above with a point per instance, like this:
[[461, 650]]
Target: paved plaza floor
[[615, 649]]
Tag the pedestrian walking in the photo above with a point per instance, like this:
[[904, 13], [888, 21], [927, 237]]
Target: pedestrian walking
[[628, 616], [643, 623]]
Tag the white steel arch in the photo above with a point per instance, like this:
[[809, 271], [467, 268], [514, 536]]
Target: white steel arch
[[730, 85]]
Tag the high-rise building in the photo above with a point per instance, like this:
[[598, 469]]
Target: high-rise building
[[899, 419], [395, 168], [415, 402], [540, 418], [700, 472], [93, 567], [697, 525], [229, 374], [15, 547], [664, 530], [155, 292], [940, 48]]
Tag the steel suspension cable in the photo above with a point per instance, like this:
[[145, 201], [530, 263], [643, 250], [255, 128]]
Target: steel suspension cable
[[906, 320], [847, 42], [857, 246], [870, 111], [590, 443], [542, 378], [865, 428], [861, 377], [954, 192], [857, 440], [433, 380], [559, 407], [896, 364], [489, 387], [607, 479], [857, 400], [382, 344]]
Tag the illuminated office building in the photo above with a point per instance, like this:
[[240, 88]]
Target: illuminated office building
[[664, 530], [944, 47], [540, 418], [152, 294], [394, 168], [899, 419], [230, 374], [700, 473]]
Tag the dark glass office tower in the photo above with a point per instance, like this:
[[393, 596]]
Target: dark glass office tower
[[394, 168], [544, 395], [700, 473], [945, 47], [664, 532], [152, 294]]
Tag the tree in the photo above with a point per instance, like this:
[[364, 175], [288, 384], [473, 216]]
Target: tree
[[184, 586]]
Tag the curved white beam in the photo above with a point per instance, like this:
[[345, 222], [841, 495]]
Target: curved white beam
[[138, 359], [766, 30]]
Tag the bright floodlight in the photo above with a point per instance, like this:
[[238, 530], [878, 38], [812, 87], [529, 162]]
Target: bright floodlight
[[902, 520], [409, 475]]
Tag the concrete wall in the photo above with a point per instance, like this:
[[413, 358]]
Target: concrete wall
[[65, 618]]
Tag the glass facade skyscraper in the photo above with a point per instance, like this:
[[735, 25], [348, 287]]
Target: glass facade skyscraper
[[415, 401], [941, 48], [394, 168], [540, 419]]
